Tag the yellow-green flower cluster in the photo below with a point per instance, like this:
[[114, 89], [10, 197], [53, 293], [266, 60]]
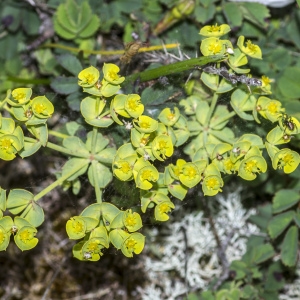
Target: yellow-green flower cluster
[[95, 108], [213, 45], [23, 232], [32, 112], [102, 224], [192, 173], [243, 157], [150, 140], [11, 139]]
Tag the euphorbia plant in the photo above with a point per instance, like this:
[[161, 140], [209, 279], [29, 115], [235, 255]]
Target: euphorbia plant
[[214, 149]]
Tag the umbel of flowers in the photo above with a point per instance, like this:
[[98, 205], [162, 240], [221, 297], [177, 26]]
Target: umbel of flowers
[[147, 158], [213, 147]]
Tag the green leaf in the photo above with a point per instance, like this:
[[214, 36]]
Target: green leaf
[[263, 216], [76, 144], [2, 199], [240, 269], [92, 211], [279, 223], [73, 21], [272, 282], [117, 237], [30, 22], [262, 253], [40, 131], [289, 248], [203, 14], [101, 142], [288, 83], [102, 173], [233, 14], [255, 13], [65, 85], [285, 199], [71, 168], [34, 214], [18, 200], [292, 28], [30, 147], [297, 219], [178, 190], [70, 63]]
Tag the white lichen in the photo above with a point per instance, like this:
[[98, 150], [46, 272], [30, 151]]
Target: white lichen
[[188, 255]]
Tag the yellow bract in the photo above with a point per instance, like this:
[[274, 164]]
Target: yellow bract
[[215, 30], [251, 49]]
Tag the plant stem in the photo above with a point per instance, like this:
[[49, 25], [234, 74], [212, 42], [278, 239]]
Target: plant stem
[[28, 81], [94, 141], [59, 148], [58, 134], [173, 68], [60, 180], [96, 183], [67, 151], [112, 52]]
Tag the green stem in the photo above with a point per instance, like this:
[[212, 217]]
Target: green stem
[[94, 166], [96, 183], [58, 134], [94, 140], [59, 181], [59, 148], [174, 68], [67, 151], [28, 81]]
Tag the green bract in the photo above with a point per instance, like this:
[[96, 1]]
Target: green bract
[[110, 72], [4, 238], [287, 160], [88, 77], [169, 117], [145, 124], [42, 107], [134, 243], [162, 147], [251, 50], [189, 174], [213, 46], [21, 96], [250, 167], [132, 221], [146, 176], [133, 105], [215, 30], [25, 238], [269, 109], [162, 209]]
